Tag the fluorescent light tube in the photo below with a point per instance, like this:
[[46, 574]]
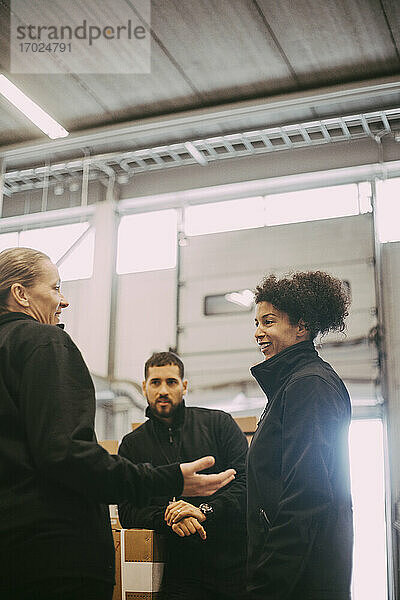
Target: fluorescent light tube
[[31, 110], [196, 154]]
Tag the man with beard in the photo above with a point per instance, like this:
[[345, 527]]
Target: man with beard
[[207, 546]]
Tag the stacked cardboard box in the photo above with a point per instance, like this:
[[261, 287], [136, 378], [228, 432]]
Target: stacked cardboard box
[[248, 425], [139, 564], [139, 555]]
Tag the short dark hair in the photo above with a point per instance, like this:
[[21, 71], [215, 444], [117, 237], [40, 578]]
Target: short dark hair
[[321, 300], [161, 359]]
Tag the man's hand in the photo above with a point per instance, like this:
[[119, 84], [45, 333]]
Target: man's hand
[[203, 485], [189, 526], [176, 511]]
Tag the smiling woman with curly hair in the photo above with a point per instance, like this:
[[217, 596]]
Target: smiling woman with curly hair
[[314, 296], [299, 501]]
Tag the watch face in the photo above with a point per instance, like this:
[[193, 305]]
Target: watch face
[[206, 508]]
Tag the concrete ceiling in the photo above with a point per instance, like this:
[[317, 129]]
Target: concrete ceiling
[[217, 66]]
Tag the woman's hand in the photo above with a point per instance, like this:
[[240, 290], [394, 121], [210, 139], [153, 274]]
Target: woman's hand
[[189, 526], [176, 511], [203, 485]]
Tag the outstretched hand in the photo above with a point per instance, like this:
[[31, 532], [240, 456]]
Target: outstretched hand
[[203, 485]]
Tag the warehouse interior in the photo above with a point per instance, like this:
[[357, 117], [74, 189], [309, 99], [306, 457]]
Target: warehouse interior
[[265, 138]]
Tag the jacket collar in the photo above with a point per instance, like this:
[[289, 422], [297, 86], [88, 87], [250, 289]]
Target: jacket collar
[[271, 373], [179, 417], [14, 316], [20, 316]]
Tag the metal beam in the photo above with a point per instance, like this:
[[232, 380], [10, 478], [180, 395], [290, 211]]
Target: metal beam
[[2, 184], [39, 219], [205, 151], [383, 370], [260, 187]]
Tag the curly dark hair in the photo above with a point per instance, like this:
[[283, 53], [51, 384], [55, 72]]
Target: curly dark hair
[[161, 359], [321, 300]]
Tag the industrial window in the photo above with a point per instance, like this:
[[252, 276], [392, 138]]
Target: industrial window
[[312, 205], [79, 263], [57, 241], [388, 210], [229, 303], [147, 242], [66, 242], [231, 215], [277, 209]]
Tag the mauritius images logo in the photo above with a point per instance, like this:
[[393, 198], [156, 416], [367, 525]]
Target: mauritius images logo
[[92, 36]]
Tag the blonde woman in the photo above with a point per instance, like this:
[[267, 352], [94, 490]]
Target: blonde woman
[[55, 480]]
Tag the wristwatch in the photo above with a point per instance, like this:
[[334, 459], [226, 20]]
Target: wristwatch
[[206, 509]]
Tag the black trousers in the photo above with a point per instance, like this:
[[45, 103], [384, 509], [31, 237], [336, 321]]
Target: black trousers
[[192, 591], [229, 585], [59, 588]]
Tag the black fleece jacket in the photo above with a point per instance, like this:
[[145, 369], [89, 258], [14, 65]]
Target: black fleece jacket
[[195, 432], [299, 501], [55, 480]]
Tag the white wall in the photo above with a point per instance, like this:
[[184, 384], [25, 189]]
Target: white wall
[[145, 319]]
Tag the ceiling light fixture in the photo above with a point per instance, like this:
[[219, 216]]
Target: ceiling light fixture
[[123, 178], [31, 110], [73, 186], [58, 189], [243, 298]]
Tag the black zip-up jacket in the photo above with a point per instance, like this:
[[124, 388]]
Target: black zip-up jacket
[[53, 474], [196, 432], [299, 502]]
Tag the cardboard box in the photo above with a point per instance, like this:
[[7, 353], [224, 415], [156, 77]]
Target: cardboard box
[[117, 546], [139, 558], [247, 424], [110, 445], [136, 425]]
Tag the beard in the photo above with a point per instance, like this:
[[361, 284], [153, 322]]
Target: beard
[[164, 411]]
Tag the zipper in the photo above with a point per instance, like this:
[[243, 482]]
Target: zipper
[[265, 517], [168, 460]]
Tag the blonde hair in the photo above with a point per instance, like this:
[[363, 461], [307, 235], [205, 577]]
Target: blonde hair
[[18, 265]]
